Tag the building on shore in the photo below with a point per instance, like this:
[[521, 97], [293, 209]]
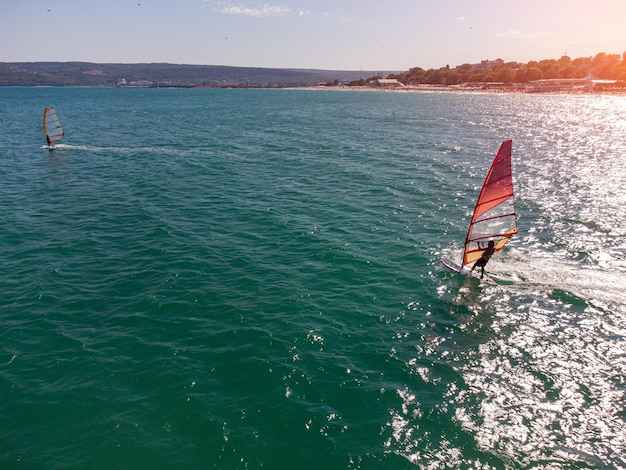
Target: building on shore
[[141, 83], [486, 64], [386, 83], [568, 84], [559, 84]]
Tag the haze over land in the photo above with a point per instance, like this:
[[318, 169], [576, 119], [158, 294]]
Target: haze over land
[[307, 34]]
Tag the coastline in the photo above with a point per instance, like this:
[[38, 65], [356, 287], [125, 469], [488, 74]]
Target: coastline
[[458, 89]]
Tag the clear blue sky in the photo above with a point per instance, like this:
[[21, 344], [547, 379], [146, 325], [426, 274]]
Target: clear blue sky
[[373, 35]]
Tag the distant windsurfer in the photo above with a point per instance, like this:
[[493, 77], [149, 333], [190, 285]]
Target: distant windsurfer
[[49, 143], [482, 261]]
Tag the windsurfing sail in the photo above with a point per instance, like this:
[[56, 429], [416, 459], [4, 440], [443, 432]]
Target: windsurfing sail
[[52, 126], [494, 215]]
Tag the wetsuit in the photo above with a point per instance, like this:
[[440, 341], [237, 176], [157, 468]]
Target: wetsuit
[[482, 261]]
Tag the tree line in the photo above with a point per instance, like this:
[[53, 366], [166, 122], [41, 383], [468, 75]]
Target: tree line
[[602, 66]]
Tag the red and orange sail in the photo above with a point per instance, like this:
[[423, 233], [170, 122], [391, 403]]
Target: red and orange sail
[[494, 215]]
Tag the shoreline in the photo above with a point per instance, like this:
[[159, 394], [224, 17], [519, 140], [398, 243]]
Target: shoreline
[[402, 89], [455, 89]]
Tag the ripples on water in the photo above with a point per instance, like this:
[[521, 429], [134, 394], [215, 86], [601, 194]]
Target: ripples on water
[[245, 278]]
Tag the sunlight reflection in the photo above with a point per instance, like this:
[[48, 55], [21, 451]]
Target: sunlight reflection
[[551, 385]]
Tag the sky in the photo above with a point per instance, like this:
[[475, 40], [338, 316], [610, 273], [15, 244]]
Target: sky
[[374, 35]]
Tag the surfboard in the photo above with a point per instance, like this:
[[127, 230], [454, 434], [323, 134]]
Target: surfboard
[[465, 270]]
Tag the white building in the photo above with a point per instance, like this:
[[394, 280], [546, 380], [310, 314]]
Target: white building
[[387, 82]]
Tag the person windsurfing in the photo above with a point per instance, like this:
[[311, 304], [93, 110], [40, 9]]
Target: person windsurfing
[[51, 127], [484, 258]]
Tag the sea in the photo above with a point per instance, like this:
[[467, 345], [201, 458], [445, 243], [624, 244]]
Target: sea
[[251, 278]]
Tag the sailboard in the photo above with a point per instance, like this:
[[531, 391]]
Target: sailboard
[[494, 217], [52, 126]]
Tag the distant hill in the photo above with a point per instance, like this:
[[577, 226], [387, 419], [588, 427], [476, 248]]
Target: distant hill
[[93, 74]]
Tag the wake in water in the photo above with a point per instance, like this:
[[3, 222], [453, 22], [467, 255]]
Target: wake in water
[[124, 150], [545, 274], [87, 148]]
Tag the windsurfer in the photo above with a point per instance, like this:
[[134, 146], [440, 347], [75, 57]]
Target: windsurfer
[[482, 261], [49, 143]]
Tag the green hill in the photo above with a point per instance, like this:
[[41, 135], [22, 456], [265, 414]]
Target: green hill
[[92, 74]]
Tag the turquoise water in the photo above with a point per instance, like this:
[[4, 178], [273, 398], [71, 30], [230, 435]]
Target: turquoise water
[[251, 278]]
